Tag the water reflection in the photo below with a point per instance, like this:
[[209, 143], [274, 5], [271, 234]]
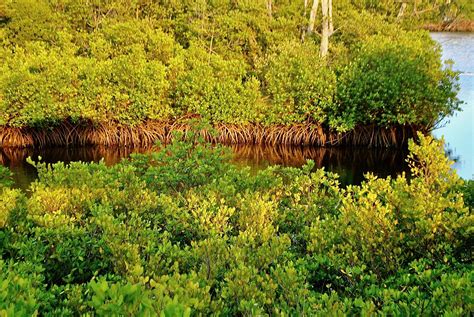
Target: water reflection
[[24, 173], [350, 163]]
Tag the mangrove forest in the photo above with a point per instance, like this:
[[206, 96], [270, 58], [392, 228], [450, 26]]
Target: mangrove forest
[[161, 96], [298, 72]]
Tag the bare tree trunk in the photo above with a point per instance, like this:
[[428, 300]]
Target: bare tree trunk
[[325, 29], [303, 31], [331, 26], [270, 8], [402, 10], [312, 16], [447, 3]]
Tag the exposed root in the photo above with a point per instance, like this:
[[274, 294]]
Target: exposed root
[[458, 25], [146, 134]]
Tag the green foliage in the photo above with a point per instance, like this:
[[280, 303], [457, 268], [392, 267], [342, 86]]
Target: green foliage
[[5, 177], [217, 89], [183, 232], [187, 162], [116, 299], [125, 62], [19, 292], [385, 224], [300, 85], [468, 191], [11, 200], [44, 86], [31, 20], [397, 82]]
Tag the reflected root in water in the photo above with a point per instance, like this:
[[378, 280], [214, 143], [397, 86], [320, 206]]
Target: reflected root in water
[[111, 155], [349, 162], [254, 154], [322, 156]]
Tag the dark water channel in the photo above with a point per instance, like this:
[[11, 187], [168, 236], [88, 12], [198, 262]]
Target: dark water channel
[[350, 163]]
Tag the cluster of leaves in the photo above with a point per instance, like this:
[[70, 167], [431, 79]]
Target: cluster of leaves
[[182, 232], [396, 81], [229, 61]]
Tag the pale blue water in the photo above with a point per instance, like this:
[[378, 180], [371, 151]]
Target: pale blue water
[[458, 131]]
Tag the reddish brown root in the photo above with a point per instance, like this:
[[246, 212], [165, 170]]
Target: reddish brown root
[[148, 133], [459, 25]]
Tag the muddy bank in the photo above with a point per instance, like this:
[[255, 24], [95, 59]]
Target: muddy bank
[[456, 26]]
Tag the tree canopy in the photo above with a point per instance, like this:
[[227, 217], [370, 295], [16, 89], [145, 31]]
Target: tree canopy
[[230, 61]]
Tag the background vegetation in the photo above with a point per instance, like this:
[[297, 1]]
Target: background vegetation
[[124, 62], [182, 232]]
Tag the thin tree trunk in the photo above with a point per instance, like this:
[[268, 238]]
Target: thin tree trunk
[[446, 10], [402, 10], [270, 8], [312, 16], [325, 29], [303, 31], [331, 26]]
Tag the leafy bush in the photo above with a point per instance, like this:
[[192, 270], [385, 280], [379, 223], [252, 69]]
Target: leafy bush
[[5, 177], [183, 232], [300, 85], [36, 86], [397, 81], [19, 291], [125, 62], [226, 94]]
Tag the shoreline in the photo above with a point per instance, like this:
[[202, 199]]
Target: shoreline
[[148, 133], [456, 26]]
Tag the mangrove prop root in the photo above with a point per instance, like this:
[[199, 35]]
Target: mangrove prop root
[[148, 133]]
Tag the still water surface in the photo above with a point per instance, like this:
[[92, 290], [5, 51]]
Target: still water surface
[[458, 130], [350, 163]]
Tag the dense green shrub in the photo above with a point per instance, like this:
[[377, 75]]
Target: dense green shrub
[[468, 191], [20, 292], [217, 89], [301, 86], [43, 87], [5, 177], [183, 232], [125, 62], [385, 224], [36, 86], [127, 89], [396, 80], [30, 20]]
